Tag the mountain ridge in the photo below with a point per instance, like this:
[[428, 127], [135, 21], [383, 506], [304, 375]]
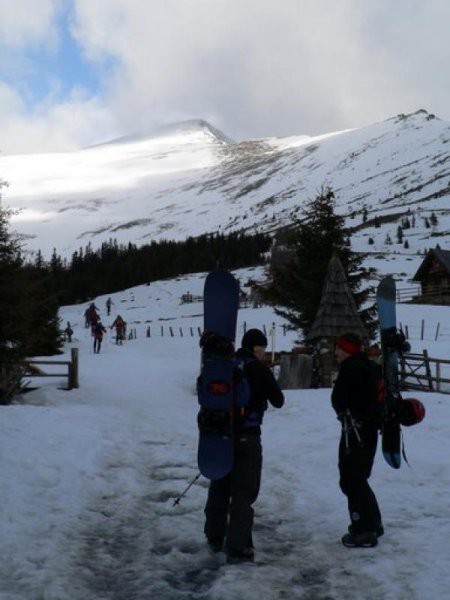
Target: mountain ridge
[[171, 187]]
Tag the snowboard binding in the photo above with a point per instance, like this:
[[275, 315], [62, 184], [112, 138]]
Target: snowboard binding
[[395, 340]]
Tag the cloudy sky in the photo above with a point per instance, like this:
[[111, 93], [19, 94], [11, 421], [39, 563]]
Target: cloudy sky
[[77, 72]]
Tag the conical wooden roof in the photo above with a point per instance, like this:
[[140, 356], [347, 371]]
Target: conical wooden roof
[[337, 313]]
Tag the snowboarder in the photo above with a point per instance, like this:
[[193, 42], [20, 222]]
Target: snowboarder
[[98, 331], [352, 399], [108, 306], [119, 325], [228, 510]]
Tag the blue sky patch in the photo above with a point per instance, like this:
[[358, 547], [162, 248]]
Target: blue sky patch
[[55, 72]]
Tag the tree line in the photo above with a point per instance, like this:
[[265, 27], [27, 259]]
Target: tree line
[[114, 267]]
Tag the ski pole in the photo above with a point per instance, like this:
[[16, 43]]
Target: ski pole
[[355, 428], [177, 500], [345, 432]]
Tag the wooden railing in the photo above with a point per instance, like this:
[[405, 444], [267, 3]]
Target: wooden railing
[[32, 369], [421, 372]]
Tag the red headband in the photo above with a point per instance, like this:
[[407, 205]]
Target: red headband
[[349, 347]]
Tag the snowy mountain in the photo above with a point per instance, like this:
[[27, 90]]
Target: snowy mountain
[[190, 179]]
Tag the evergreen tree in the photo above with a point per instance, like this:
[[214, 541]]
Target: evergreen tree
[[29, 310], [296, 282], [10, 290]]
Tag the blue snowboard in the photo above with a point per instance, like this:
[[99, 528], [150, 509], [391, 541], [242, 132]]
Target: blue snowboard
[[215, 384], [391, 430]]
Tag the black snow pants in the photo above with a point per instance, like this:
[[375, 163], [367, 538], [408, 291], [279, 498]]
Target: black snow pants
[[228, 510], [355, 466]]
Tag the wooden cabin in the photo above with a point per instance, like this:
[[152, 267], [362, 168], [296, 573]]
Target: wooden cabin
[[434, 278]]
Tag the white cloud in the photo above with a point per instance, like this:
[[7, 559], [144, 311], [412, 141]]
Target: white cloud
[[64, 126], [262, 66], [254, 67], [26, 22]]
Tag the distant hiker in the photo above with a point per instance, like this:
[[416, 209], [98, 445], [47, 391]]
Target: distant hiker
[[98, 331], [352, 399], [228, 510], [92, 316], [119, 324], [108, 306], [69, 332]]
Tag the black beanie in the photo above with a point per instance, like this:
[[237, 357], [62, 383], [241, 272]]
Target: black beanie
[[253, 337]]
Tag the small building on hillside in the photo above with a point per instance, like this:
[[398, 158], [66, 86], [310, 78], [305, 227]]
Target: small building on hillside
[[434, 278]]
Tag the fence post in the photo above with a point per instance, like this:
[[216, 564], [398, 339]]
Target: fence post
[[272, 335], [149, 332], [428, 369], [407, 332], [199, 332], [422, 330], [181, 332], [438, 376], [402, 369], [162, 330], [73, 369], [171, 331], [437, 331]]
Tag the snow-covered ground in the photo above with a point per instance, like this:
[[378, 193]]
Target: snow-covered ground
[[88, 478]]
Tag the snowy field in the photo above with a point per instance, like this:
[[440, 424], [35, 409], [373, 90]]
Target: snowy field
[[89, 477]]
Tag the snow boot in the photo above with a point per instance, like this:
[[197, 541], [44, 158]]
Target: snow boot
[[239, 556], [379, 529], [215, 544], [366, 539]]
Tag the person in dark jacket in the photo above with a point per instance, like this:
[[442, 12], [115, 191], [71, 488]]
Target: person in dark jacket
[[98, 332], [352, 399], [229, 513]]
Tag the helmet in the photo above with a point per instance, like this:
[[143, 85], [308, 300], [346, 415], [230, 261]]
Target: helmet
[[411, 411]]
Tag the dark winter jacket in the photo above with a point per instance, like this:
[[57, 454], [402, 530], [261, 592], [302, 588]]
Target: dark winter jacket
[[353, 387], [99, 330], [263, 389]]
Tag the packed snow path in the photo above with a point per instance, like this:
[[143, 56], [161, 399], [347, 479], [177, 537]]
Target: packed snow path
[[88, 480]]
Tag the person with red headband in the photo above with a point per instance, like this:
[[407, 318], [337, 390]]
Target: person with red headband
[[351, 400]]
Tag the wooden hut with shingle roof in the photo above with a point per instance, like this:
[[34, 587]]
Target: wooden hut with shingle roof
[[337, 314], [434, 277]]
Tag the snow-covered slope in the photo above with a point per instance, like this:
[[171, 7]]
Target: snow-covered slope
[[89, 477], [191, 179]]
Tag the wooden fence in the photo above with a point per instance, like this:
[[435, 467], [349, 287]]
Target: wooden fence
[[177, 331], [421, 372], [31, 368], [425, 331], [414, 294]]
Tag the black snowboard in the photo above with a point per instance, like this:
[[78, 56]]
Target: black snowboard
[[392, 344], [216, 381]]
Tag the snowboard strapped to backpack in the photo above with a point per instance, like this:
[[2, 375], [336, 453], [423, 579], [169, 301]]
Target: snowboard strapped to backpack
[[222, 389]]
